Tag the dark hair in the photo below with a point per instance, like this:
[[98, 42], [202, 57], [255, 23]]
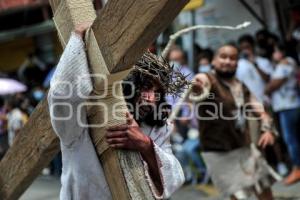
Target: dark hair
[[206, 53], [262, 32], [14, 102], [143, 82], [226, 44], [281, 47], [1, 102], [177, 48], [247, 38], [274, 37]]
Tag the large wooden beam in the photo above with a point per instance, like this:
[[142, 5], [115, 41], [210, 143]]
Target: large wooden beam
[[32, 150], [122, 39], [136, 24], [124, 36]]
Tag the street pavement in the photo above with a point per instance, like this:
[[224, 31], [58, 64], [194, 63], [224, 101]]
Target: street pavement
[[47, 188]]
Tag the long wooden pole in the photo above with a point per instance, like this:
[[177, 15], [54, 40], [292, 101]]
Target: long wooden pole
[[123, 31]]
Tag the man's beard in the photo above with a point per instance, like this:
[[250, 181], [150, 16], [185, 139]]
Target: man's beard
[[146, 115], [151, 116], [225, 74], [144, 111]]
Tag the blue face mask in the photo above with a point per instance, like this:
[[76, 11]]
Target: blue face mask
[[38, 95], [204, 68], [175, 64]]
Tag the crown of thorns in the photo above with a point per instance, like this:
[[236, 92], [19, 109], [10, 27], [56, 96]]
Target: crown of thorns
[[172, 81]]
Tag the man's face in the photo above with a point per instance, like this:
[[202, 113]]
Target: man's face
[[277, 55], [204, 61], [147, 102], [176, 56], [246, 48], [226, 59]]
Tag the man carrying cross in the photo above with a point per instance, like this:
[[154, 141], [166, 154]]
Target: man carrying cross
[[147, 132]]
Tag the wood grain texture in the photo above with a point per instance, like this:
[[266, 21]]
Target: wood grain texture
[[36, 145], [34, 148], [68, 14], [124, 35], [54, 4], [123, 30], [124, 170]]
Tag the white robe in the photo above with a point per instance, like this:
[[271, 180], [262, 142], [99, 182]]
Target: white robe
[[82, 174]]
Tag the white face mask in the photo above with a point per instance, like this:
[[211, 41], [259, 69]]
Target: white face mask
[[204, 68], [176, 64]]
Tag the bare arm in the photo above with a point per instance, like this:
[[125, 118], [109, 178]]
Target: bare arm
[[266, 77], [262, 74], [284, 70], [267, 128], [150, 158], [130, 136], [274, 85], [164, 169]]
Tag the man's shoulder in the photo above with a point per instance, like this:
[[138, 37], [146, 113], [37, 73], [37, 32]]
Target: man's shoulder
[[166, 129], [16, 113], [265, 64], [243, 67], [243, 62]]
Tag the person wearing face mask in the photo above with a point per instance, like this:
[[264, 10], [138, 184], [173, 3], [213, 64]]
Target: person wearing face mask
[[16, 117], [286, 103], [177, 59], [254, 71], [236, 166], [37, 95], [205, 59]]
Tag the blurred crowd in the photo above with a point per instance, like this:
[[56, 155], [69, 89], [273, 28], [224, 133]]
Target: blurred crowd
[[20, 93], [268, 66]]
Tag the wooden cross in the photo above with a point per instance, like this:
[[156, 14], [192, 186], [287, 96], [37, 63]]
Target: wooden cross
[[122, 30]]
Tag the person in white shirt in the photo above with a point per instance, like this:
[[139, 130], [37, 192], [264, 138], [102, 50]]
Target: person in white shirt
[[204, 61], [82, 174], [286, 102], [15, 119], [254, 71], [177, 59]]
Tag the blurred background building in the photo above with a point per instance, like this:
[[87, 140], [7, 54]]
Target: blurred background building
[[27, 30], [278, 17]]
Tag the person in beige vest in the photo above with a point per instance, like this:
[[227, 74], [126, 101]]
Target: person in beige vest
[[236, 166]]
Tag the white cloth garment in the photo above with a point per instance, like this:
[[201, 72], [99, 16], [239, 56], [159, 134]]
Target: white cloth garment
[[240, 172], [14, 123], [248, 74], [82, 174], [287, 96]]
